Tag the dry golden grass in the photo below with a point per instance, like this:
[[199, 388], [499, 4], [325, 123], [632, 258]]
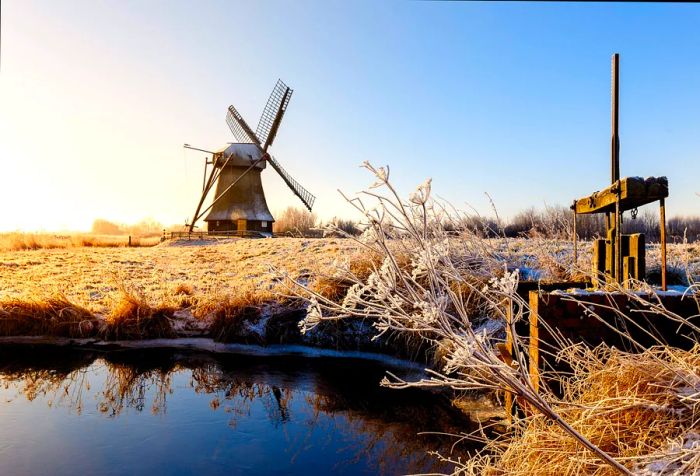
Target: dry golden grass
[[36, 241], [214, 282], [53, 316], [231, 312], [133, 317], [632, 406], [181, 276]]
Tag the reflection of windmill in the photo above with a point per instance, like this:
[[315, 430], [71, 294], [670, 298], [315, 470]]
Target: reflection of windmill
[[239, 203]]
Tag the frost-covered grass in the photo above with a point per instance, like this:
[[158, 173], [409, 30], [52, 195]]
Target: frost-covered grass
[[642, 409], [136, 293], [180, 276], [619, 412]]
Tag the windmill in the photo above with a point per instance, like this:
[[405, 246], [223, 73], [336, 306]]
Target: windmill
[[239, 204]]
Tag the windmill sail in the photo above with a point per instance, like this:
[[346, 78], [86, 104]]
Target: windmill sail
[[304, 195], [272, 114], [239, 127]]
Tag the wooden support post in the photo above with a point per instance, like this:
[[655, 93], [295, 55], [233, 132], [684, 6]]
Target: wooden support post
[[534, 299], [662, 224]]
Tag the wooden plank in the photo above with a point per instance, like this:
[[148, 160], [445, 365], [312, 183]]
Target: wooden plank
[[598, 263], [634, 192]]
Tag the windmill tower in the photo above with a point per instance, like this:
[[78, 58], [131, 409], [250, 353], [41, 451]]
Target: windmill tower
[[239, 205]]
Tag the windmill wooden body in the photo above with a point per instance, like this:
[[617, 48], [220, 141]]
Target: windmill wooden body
[[239, 205]]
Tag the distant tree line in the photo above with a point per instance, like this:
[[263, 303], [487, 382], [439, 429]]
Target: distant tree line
[[294, 221], [144, 228], [550, 222], [557, 222]]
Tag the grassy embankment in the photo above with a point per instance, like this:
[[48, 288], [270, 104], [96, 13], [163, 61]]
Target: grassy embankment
[[141, 292], [96, 290]]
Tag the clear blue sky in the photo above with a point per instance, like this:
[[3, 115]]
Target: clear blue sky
[[512, 99]]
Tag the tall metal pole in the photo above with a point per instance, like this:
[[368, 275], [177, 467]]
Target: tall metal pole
[[615, 139], [615, 220], [575, 240]]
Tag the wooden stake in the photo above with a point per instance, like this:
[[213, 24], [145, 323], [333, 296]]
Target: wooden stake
[[662, 224], [534, 341]]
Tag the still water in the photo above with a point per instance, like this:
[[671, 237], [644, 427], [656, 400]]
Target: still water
[[153, 412]]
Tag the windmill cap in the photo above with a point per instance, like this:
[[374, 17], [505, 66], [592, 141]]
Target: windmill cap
[[241, 155]]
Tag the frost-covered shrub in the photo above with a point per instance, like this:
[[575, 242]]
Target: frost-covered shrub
[[440, 280]]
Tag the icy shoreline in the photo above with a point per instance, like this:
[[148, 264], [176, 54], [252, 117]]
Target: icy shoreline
[[205, 344]]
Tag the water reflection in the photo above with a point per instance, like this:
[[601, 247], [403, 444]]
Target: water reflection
[[242, 414]]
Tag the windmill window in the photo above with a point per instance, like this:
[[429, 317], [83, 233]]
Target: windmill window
[[263, 224]]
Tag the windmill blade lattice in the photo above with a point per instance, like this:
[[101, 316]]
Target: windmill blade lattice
[[276, 106], [304, 195], [241, 131]]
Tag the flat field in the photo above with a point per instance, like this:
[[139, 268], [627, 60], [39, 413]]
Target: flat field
[[95, 277]]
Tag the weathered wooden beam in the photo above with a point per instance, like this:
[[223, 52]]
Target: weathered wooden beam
[[633, 191]]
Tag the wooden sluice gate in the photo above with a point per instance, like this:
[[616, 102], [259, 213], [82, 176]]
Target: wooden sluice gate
[[613, 307], [571, 314], [630, 322]]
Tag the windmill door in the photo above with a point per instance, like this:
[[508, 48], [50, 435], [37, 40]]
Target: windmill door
[[241, 226]]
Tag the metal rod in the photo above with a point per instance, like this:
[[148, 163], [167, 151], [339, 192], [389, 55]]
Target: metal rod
[[618, 240], [202, 198], [204, 178], [213, 177], [614, 219], [615, 139], [187, 146], [575, 239], [662, 224]]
